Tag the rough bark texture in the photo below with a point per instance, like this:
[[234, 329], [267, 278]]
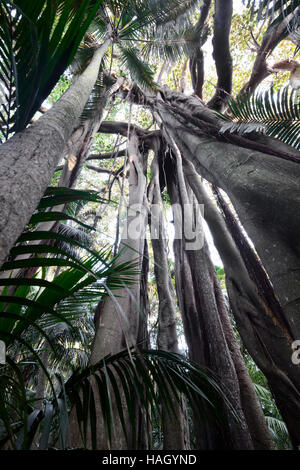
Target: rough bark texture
[[235, 270], [80, 142], [28, 160], [215, 353], [175, 430], [144, 435], [120, 319], [263, 189], [265, 193], [254, 415]]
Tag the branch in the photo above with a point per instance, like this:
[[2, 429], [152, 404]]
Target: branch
[[117, 127], [107, 156], [196, 117], [221, 53], [261, 70], [116, 173], [196, 59]]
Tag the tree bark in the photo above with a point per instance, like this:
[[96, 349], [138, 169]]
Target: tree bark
[[175, 429], [29, 158], [252, 180], [266, 340], [235, 270], [254, 415], [221, 53], [197, 57], [214, 353], [119, 322]]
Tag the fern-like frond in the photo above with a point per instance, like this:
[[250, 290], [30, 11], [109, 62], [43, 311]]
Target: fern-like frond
[[168, 35], [141, 379], [138, 69], [276, 114], [170, 43], [278, 11], [38, 40]]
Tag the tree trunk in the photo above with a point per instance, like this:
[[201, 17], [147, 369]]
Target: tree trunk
[[255, 418], [29, 158], [175, 429], [251, 179], [144, 435], [119, 322], [264, 336], [234, 268], [214, 352]]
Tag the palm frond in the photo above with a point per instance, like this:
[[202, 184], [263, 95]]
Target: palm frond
[[72, 233], [97, 100], [163, 29], [276, 425], [38, 40], [278, 11], [276, 114], [269, 8], [170, 43], [20, 301], [142, 378], [156, 13], [139, 70]]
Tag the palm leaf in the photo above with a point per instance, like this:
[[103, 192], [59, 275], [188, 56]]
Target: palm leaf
[[276, 426], [90, 272], [38, 40], [276, 114], [162, 29], [278, 11], [139, 70], [139, 377]]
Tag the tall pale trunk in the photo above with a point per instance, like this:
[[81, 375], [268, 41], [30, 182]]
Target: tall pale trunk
[[28, 160], [80, 142], [175, 429], [120, 315], [118, 324]]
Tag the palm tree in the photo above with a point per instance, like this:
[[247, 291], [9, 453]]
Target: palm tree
[[48, 136]]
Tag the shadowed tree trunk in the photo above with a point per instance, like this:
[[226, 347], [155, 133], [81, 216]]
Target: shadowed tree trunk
[[235, 270], [215, 354], [221, 53], [256, 321], [254, 415], [144, 436], [196, 56], [262, 328], [175, 428], [120, 316]]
